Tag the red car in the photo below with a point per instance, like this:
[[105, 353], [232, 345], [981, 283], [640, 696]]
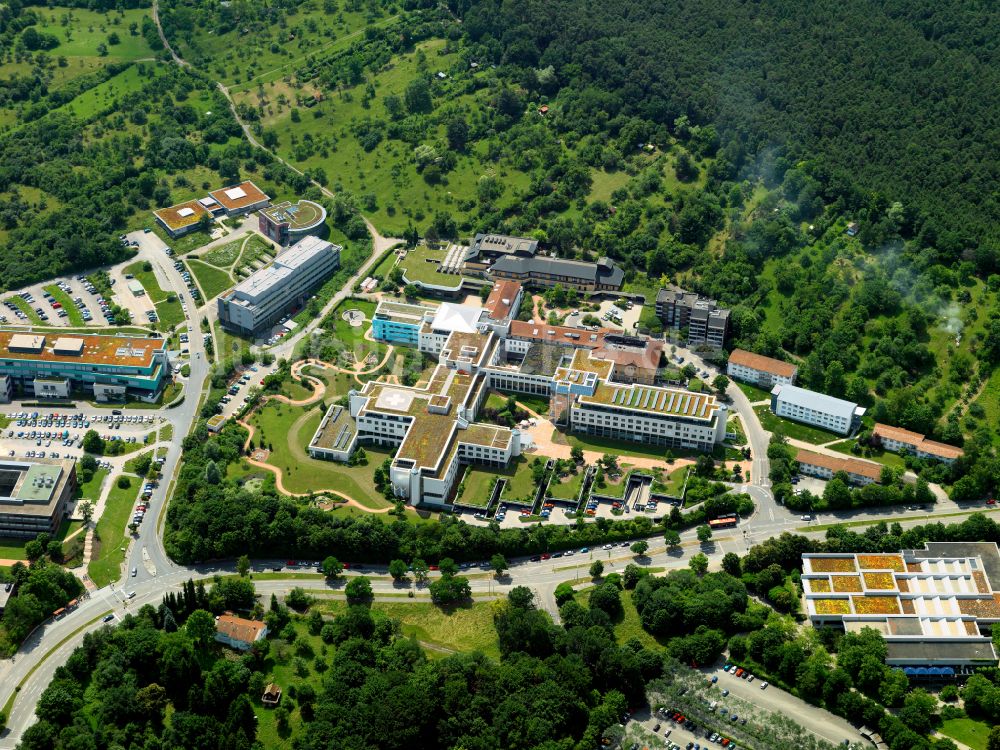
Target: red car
[[432, 567], [546, 556], [291, 563], [991, 501]]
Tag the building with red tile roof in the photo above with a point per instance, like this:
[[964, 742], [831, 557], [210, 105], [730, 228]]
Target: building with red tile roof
[[897, 439], [238, 632]]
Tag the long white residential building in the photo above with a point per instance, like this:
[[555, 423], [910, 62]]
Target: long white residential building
[[810, 407]]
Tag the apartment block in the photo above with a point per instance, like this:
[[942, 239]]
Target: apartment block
[[897, 439], [818, 409], [706, 322], [824, 466], [759, 370], [261, 299]]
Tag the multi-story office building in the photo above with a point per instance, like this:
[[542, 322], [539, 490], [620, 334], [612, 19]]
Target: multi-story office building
[[35, 496], [399, 323], [757, 369], [930, 605], [814, 408], [537, 271], [897, 439], [825, 466], [670, 417], [705, 322], [111, 367], [259, 301], [433, 428]]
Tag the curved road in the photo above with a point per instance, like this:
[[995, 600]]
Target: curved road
[[50, 645]]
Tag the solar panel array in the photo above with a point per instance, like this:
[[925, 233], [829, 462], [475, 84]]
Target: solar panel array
[[659, 400]]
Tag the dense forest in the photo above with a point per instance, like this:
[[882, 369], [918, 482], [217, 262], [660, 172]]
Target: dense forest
[[884, 100], [159, 680]]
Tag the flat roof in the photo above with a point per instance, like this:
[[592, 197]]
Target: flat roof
[[602, 271], [502, 243], [263, 281], [300, 217], [838, 407], [649, 399], [542, 359], [565, 335], [181, 215], [337, 429], [931, 651], [239, 196], [762, 363], [840, 463], [32, 487], [987, 552], [125, 351]]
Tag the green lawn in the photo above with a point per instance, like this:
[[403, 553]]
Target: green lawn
[[353, 338], [621, 448], [26, 309], [112, 529], [478, 481], [223, 256], [81, 31], [791, 429], [462, 629], [212, 281], [753, 392], [385, 265], [337, 383], [92, 490], [519, 482], [675, 481], [287, 431], [323, 136], [967, 731], [886, 458], [421, 266], [106, 95], [568, 487], [72, 311]]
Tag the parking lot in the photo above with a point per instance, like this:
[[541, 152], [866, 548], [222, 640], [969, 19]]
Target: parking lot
[[77, 290], [610, 315], [34, 434]]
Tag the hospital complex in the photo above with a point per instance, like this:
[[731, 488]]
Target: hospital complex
[[600, 383]]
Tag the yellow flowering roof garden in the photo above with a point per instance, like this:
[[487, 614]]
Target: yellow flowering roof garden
[[846, 584], [832, 564], [832, 606], [885, 562], [879, 581], [876, 605]]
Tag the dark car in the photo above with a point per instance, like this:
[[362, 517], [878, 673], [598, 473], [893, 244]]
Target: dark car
[[107, 618]]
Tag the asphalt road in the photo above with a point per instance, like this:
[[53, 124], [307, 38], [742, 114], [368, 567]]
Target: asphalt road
[[51, 644]]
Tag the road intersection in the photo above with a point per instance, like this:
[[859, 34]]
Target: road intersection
[[50, 645]]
